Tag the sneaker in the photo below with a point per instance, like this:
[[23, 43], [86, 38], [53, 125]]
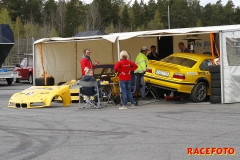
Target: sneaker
[[123, 107], [132, 106]]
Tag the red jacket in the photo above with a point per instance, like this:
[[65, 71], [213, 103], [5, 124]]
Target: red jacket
[[124, 68], [86, 62]]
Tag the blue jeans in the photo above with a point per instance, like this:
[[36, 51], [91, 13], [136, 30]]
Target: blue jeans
[[138, 76], [126, 93]]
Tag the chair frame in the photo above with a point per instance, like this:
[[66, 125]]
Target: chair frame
[[89, 101]]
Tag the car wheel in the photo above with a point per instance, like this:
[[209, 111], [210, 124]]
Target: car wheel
[[17, 80], [30, 78], [9, 81], [199, 92]]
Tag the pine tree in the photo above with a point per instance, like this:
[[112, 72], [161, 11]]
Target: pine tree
[[72, 18]]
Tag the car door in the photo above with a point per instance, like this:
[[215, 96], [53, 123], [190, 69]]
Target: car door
[[204, 68], [24, 69]]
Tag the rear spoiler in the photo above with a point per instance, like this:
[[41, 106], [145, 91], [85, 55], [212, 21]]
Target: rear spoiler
[[165, 64]]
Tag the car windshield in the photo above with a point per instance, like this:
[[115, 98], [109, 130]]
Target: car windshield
[[180, 61], [104, 72]]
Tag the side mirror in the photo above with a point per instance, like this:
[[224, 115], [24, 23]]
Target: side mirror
[[17, 65]]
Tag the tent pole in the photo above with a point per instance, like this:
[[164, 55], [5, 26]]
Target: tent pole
[[76, 59], [112, 53], [34, 70], [118, 48], [221, 65]]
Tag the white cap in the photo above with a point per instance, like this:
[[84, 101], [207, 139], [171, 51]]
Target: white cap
[[144, 48]]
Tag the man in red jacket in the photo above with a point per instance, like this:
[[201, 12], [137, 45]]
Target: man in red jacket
[[86, 61], [124, 68]]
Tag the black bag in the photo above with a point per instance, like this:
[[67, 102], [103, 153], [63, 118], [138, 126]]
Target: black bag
[[116, 99]]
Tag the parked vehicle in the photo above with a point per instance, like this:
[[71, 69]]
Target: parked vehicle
[[25, 69], [186, 73], [8, 75]]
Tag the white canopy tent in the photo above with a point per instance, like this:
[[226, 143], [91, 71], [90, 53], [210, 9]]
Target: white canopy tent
[[61, 56]]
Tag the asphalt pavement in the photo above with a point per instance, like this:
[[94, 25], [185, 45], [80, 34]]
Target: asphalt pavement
[[154, 130]]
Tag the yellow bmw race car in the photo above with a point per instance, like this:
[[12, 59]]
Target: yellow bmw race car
[[182, 73], [39, 96]]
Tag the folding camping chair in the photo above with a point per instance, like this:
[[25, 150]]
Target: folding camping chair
[[149, 89], [90, 99]]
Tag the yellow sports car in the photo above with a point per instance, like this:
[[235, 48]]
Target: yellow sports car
[[39, 96], [182, 73]]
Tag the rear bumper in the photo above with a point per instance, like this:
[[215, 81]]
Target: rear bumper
[[169, 85]]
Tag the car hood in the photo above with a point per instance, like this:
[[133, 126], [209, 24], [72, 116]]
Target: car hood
[[44, 94]]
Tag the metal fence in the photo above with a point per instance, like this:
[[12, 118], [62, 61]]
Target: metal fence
[[17, 53]]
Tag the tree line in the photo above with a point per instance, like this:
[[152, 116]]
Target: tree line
[[65, 18]]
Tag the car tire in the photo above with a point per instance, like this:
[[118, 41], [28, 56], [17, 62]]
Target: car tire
[[215, 76], [30, 78], [17, 80], [9, 81], [216, 91], [199, 92], [215, 99], [40, 82], [214, 69], [216, 84]]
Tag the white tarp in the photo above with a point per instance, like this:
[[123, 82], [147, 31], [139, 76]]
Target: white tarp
[[61, 57], [230, 67], [177, 31], [110, 38]]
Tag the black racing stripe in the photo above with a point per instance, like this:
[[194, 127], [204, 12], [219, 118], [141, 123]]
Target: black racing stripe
[[169, 81]]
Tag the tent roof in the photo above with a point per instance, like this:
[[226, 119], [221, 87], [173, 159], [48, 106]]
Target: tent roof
[[90, 33], [126, 35], [111, 38], [177, 31]]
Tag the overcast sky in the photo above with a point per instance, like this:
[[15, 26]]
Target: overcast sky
[[203, 2]]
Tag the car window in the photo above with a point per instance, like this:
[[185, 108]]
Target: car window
[[205, 64], [106, 71], [98, 70], [180, 61]]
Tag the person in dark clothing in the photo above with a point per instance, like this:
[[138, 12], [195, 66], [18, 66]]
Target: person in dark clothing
[[88, 77], [153, 55], [182, 47]]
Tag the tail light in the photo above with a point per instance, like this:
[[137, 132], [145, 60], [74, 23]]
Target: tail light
[[149, 70], [179, 76]]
